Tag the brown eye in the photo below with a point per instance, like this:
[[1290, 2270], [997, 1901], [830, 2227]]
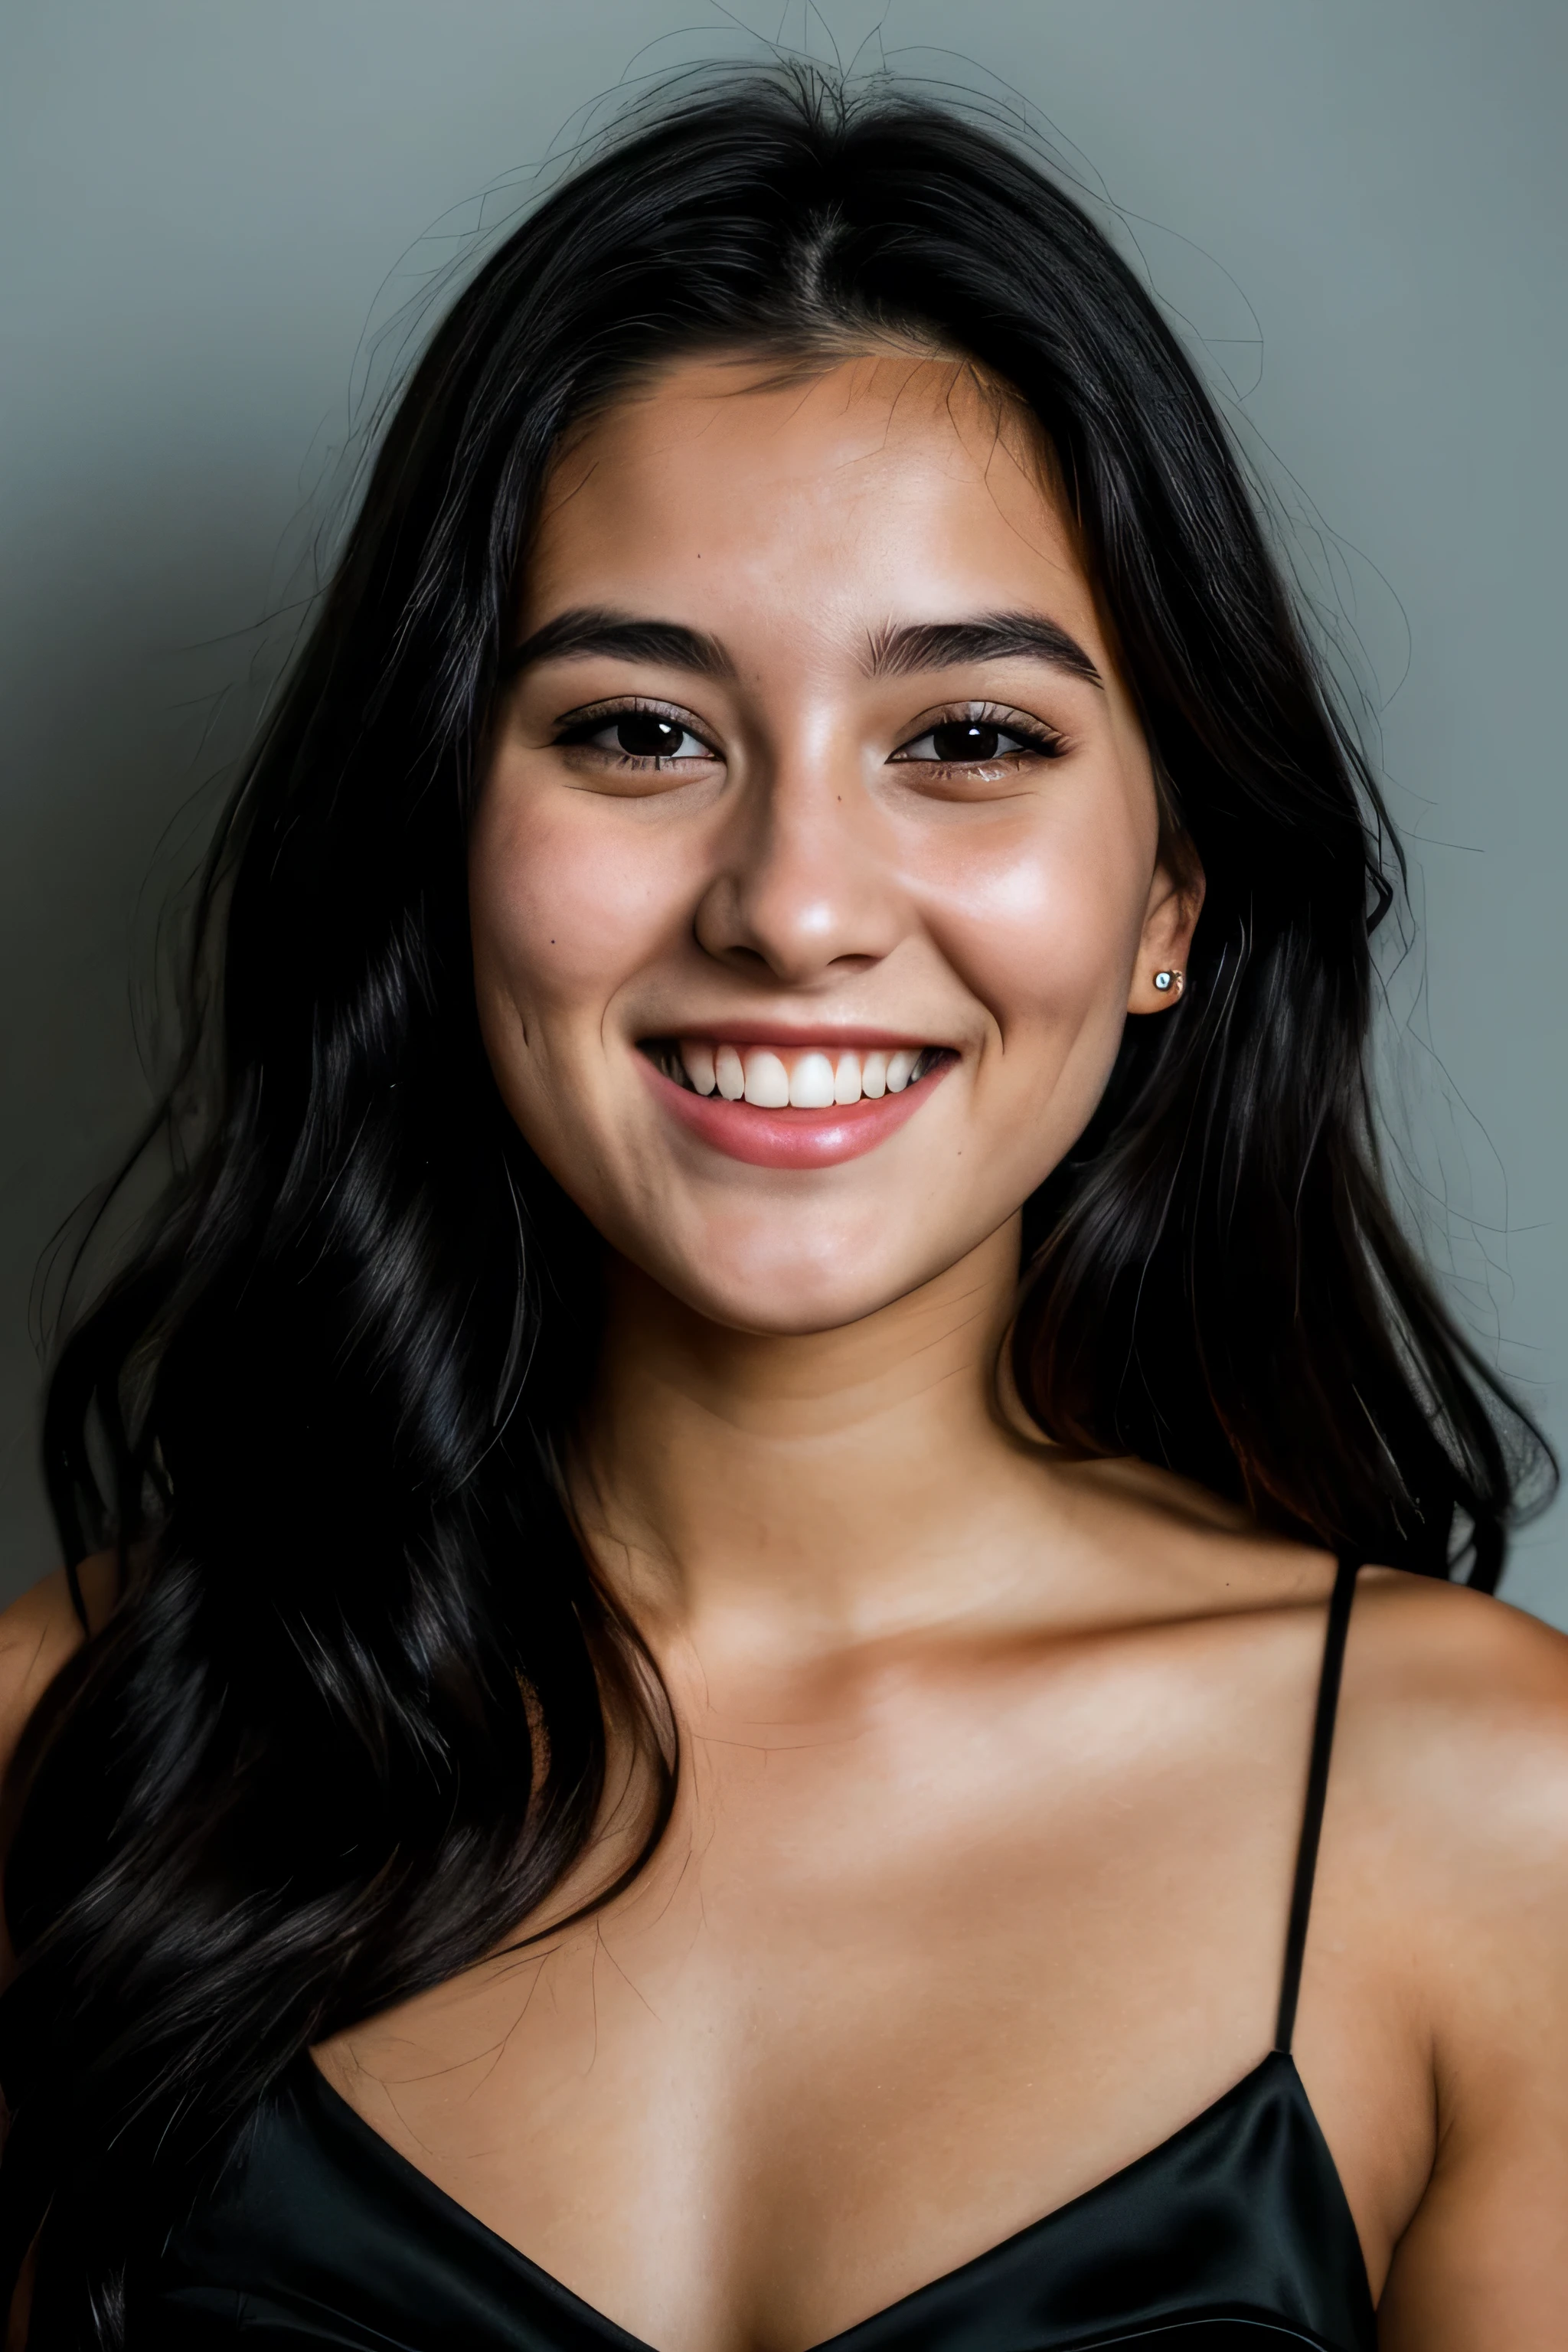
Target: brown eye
[[975, 741], [643, 735], [959, 739], [650, 738]]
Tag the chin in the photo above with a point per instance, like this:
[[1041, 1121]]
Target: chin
[[783, 1285], [782, 1312]]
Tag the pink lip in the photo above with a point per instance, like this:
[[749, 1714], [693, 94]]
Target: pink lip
[[791, 1138]]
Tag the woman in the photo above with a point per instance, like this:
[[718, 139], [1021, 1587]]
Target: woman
[[729, 1491]]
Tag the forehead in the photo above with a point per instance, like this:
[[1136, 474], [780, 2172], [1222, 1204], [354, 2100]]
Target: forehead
[[895, 479]]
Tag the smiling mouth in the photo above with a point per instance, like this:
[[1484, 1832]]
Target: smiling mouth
[[793, 1077]]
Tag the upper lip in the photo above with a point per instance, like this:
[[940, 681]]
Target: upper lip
[[844, 1036]]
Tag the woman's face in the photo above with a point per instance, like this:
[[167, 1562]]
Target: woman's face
[[816, 866]]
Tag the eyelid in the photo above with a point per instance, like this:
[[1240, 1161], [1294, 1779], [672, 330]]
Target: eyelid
[[1038, 734], [1032, 733], [620, 705]]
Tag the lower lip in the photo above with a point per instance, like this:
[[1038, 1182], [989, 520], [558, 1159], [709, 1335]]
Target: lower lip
[[792, 1139]]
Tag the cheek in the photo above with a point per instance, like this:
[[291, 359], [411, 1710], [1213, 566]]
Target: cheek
[[563, 907], [1043, 927]]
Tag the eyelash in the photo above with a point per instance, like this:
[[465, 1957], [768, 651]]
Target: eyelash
[[581, 728], [1029, 738]]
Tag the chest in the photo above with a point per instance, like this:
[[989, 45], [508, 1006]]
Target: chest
[[880, 2001]]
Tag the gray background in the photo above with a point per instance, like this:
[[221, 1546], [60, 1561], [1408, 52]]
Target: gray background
[[213, 210]]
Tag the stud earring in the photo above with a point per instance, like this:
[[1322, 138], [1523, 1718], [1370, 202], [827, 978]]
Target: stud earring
[[1164, 980]]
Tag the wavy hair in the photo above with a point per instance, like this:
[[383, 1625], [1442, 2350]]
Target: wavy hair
[[347, 1725]]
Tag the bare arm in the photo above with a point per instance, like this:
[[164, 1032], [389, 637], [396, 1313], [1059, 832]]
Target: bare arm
[[1483, 2265]]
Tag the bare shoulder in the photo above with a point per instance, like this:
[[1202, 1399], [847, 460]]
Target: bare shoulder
[[1443, 1666], [1448, 1863], [1454, 1737], [38, 1634]]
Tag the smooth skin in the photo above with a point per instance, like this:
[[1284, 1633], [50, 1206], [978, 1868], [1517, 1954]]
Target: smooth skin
[[993, 1763]]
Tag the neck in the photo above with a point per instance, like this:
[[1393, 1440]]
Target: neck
[[785, 1495]]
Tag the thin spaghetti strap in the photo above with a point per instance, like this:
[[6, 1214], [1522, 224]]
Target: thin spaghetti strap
[[1316, 1790]]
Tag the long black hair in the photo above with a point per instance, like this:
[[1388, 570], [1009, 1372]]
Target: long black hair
[[346, 1726]]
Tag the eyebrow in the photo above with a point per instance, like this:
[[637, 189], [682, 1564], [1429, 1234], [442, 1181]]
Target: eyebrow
[[891, 652], [989, 636], [591, 629]]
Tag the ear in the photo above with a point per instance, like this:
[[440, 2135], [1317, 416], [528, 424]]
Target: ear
[[1175, 902]]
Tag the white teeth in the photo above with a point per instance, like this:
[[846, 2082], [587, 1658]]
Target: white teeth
[[698, 1061], [811, 1083], [803, 1078], [767, 1080]]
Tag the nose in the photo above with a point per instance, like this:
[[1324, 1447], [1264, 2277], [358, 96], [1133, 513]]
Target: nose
[[805, 883]]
